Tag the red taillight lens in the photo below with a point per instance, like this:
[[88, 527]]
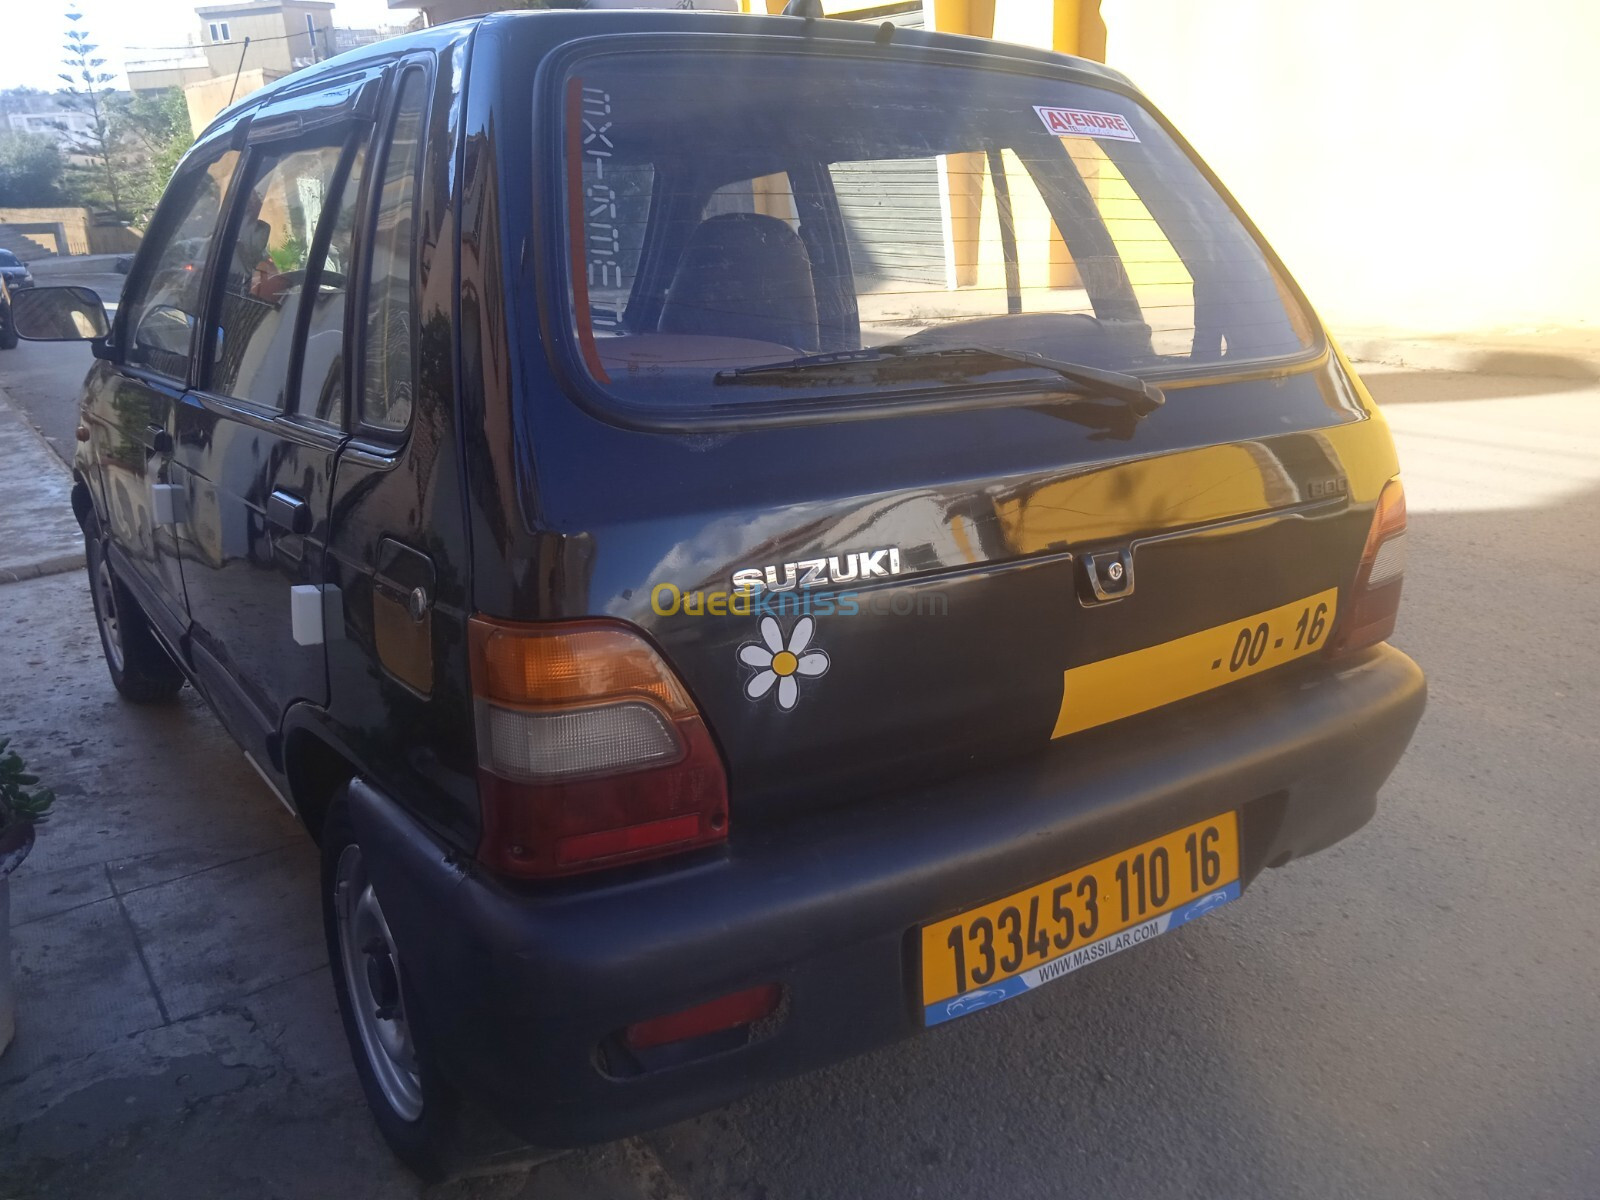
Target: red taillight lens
[[1375, 599], [725, 1012], [590, 751]]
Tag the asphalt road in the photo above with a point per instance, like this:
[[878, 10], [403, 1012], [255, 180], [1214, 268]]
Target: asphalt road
[[1415, 1013], [43, 377]]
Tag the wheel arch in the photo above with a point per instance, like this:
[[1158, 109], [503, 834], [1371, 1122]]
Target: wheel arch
[[316, 765], [83, 501]]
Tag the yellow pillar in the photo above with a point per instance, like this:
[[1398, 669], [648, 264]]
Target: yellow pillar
[[1064, 26]]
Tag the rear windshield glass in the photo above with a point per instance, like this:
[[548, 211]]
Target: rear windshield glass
[[726, 212]]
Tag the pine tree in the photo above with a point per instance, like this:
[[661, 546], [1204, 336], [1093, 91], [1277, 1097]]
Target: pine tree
[[88, 86]]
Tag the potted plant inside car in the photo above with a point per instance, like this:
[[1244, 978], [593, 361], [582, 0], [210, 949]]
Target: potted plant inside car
[[22, 806]]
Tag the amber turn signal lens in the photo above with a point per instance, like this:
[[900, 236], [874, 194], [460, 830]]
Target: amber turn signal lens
[[570, 662]]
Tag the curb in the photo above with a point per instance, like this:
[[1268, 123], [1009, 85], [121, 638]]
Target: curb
[[59, 565], [9, 407], [1560, 354], [7, 404], [35, 488]]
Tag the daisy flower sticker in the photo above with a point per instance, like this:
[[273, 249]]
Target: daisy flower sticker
[[781, 663]]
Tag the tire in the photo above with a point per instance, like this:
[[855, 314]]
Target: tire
[[141, 669], [415, 1109], [8, 332]]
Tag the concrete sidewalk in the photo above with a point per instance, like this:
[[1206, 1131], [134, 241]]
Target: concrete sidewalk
[[38, 533], [177, 1033]]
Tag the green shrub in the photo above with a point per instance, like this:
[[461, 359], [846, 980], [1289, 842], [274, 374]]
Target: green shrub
[[19, 799]]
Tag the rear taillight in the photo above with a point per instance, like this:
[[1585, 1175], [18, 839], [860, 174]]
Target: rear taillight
[[590, 752], [1375, 598]]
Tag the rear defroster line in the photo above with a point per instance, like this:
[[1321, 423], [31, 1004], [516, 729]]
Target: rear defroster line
[[1064, 964]]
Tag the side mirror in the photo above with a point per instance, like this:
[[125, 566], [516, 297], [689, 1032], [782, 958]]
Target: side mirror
[[60, 314]]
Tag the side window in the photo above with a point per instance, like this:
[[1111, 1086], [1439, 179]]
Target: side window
[[160, 311], [387, 381], [265, 270], [327, 293]]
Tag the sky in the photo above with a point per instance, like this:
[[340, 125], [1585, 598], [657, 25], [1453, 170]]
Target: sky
[[130, 29]]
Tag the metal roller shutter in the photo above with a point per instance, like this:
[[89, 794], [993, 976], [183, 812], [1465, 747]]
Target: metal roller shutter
[[891, 208]]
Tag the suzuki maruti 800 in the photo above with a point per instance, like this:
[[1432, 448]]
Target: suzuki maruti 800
[[743, 538]]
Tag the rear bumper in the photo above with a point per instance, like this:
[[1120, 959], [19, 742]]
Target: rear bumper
[[519, 989]]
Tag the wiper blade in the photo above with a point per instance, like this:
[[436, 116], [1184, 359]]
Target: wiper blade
[[1141, 398]]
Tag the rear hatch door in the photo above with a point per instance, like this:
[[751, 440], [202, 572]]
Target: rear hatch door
[[871, 571]]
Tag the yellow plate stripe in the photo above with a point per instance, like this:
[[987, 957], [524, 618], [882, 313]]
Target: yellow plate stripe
[[1119, 687]]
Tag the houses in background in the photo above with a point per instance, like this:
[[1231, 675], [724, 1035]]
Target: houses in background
[[244, 46], [48, 116]]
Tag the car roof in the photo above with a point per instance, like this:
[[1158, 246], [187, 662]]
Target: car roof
[[434, 39], [593, 22]]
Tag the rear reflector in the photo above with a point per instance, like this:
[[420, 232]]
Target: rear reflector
[[629, 839], [1375, 598], [590, 752], [726, 1012]]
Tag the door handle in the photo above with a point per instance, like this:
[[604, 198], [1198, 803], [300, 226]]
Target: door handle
[[288, 512], [160, 439]]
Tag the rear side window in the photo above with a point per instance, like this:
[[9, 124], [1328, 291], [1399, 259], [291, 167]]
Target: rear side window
[[160, 310], [388, 378], [823, 205], [325, 296], [268, 271]]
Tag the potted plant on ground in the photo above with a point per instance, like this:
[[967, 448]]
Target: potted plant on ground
[[22, 806]]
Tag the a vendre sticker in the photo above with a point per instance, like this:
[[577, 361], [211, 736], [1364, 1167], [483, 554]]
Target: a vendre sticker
[[1082, 122]]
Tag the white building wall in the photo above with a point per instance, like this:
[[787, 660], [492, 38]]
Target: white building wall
[[1422, 164]]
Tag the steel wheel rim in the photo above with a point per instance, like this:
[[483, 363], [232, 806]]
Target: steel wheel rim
[[106, 610], [371, 964]]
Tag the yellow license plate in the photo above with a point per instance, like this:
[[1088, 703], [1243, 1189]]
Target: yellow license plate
[[1024, 941], [1119, 687]]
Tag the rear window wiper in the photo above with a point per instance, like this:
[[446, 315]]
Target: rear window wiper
[[1141, 398]]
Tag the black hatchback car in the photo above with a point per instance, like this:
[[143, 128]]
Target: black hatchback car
[[15, 272], [743, 538]]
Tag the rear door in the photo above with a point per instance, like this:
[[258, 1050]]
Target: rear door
[[257, 439], [398, 549]]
